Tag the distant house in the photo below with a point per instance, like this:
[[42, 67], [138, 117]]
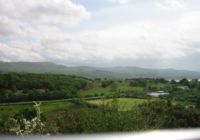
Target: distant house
[[183, 87], [157, 93], [177, 80]]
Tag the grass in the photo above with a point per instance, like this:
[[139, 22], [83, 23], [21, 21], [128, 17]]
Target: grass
[[9, 110], [124, 103], [51, 106], [97, 90], [94, 90]]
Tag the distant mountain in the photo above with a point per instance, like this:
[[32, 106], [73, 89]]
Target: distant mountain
[[95, 72]]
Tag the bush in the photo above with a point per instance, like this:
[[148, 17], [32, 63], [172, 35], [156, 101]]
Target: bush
[[24, 127], [164, 114]]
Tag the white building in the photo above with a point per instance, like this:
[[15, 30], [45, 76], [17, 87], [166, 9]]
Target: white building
[[157, 93]]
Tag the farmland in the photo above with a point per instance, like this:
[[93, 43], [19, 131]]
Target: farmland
[[124, 104], [73, 104]]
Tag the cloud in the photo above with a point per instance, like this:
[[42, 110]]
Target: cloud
[[133, 41], [44, 36], [161, 41], [170, 4], [49, 12], [8, 27], [19, 51], [24, 24], [121, 2]]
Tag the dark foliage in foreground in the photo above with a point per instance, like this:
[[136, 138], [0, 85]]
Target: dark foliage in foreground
[[149, 115], [84, 118]]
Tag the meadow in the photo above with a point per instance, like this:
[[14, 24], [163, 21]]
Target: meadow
[[51, 106], [124, 104], [10, 109]]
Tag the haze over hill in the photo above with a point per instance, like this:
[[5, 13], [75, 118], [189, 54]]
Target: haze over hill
[[96, 72]]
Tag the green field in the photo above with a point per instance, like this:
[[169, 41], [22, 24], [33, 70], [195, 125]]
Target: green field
[[123, 103], [97, 90], [76, 105], [45, 107]]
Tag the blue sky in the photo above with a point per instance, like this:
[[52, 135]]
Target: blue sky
[[144, 33]]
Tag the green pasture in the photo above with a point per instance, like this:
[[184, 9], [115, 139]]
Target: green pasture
[[10, 109], [123, 103]]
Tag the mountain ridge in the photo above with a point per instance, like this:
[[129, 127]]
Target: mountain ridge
[[117, 72]]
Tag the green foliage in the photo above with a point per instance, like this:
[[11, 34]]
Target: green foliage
[[28, 87], [138, 83], [27, 113], [163, 114], [113, 87], [188, 96], [106, 83], [107, 116], [129, 112], [102, 119], [24, 127], [184, 82]]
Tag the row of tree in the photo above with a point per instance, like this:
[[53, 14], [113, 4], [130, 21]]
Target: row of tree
[[16, 87]]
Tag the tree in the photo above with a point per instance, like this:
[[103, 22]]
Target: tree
[[113, 87], [184, 82]]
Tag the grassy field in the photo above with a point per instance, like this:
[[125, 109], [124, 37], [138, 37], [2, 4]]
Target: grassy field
[[97, 90], [45, 107], [94, 90], [123, 103]]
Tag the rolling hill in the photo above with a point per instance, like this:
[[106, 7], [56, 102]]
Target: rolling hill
[[95, 72]]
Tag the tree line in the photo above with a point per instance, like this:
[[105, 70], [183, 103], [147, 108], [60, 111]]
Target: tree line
[[15, 87]]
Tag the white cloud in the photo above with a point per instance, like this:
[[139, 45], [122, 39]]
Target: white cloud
[[24, 24], [35, 39], [19, 51], [49, 12], [170, 4], [122, 2], [137, 40], [8, 27], [159, 40]]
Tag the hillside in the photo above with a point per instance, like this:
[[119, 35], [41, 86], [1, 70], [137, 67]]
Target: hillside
[[95, 72]]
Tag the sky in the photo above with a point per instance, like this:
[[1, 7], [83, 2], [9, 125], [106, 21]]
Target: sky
[[142, 33]]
